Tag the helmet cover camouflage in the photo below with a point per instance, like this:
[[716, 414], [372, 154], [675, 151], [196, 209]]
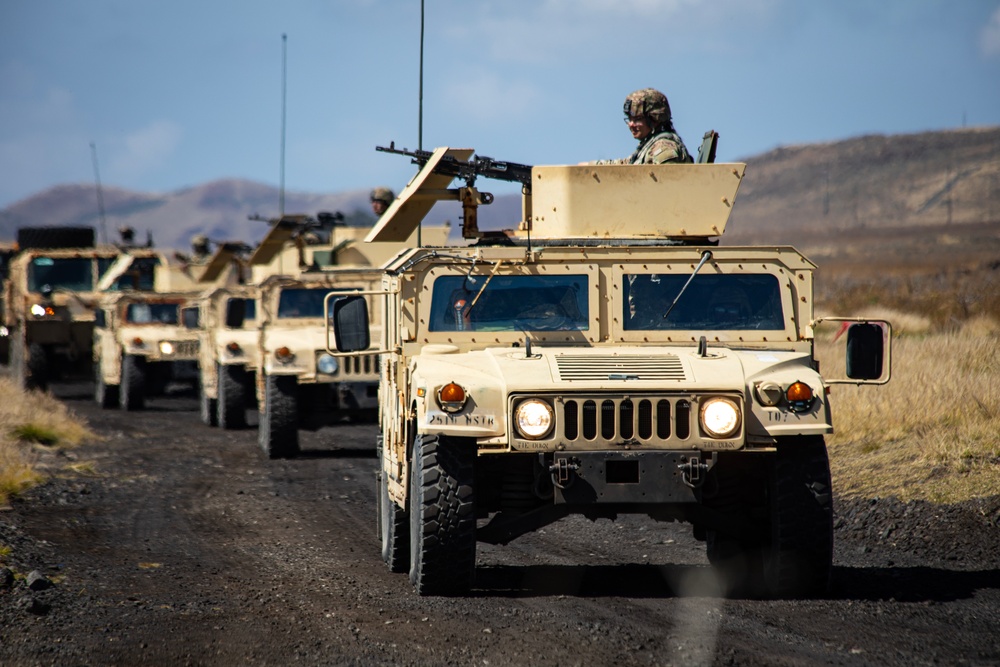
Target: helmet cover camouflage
[[650, 103], [199, 240], [382, 194]]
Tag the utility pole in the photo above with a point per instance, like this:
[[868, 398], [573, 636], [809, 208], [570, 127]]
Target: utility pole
[[100, 193]]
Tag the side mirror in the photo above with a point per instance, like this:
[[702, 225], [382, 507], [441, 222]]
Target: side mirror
[[865, 351], [100, 319], [236, 311], [190, 318], [350, 322]]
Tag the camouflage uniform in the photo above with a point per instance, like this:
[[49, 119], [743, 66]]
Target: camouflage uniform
[[663, 144]]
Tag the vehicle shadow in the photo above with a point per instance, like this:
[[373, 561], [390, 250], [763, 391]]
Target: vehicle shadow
[[342, 453], [902, 584]]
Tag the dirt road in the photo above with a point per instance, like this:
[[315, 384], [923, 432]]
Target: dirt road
[[172, 543]]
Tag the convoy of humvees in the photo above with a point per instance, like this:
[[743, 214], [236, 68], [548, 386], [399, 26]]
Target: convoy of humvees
[[605, 357], [298, 384]]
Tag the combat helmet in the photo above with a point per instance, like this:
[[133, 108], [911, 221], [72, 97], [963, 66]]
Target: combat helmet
[[650, 103], [382, 194]]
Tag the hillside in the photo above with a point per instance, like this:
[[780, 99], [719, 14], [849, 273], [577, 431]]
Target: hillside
[[886, 186]]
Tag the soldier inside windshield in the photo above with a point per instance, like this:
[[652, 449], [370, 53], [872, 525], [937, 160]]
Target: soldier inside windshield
[[710, 302], [510, 303], [302, 302]]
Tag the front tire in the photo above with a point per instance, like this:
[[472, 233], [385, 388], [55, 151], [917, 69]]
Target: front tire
[[232, 402], [442, 515], [132, 392], [278, 433], [798, 557], [38, 370]]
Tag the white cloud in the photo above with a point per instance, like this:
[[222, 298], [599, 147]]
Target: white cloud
[[989, 38], [143, 150]]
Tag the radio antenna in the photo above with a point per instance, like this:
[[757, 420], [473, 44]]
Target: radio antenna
[[100, 193], [281, 176]]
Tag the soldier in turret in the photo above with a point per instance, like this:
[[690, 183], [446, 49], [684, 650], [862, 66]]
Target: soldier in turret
[[381, 199], [200, 252], [647, 114]]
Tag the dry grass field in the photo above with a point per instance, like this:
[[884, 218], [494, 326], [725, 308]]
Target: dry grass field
[[29, 421]]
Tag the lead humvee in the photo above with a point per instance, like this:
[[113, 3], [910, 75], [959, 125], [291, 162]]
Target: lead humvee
[[606, 357]]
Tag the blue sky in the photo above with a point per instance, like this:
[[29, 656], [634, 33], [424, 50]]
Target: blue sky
[[178, 93]]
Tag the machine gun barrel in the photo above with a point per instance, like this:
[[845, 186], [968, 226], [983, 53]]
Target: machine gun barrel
[[479, 165]]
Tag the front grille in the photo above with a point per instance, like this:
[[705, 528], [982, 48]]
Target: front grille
[[186, 348], [616, 420], [363, 366], [638, 367]]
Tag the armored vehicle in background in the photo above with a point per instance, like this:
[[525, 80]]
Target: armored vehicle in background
[[143, 342], [48, 301], [228, 354], [605, 357]]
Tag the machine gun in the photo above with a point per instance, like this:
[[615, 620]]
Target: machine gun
[[479, 165]]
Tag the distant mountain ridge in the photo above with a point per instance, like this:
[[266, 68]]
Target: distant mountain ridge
[[870, 182]]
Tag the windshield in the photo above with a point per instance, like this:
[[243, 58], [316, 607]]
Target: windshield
[[511, 303], [710, 303], [71, 273], [139, 275], [302, 302], [152, 313]]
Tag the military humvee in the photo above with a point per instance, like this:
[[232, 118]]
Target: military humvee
[[48, 300], [142, 342], [606, 357], [147, 325], [228, 354]]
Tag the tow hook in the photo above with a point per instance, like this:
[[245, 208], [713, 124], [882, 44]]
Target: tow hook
[[563, 472], [693, 472]]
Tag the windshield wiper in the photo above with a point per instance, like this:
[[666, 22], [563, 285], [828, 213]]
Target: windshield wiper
[[705, 256]]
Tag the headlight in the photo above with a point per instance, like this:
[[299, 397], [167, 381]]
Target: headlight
[[38, 310], [327, 364], [234, 349], [533, 418], [720, 417], [4, 331], [166, 347]]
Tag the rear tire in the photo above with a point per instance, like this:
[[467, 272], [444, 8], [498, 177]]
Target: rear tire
[[132, 392], [798, 557], [394, 524], [442, 515], [106, 395], [232, 402], [278, 433]]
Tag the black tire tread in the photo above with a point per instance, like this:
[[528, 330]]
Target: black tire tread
[[132, 390], [232, 401], [442, 516], [278, 432], [798, 562]]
